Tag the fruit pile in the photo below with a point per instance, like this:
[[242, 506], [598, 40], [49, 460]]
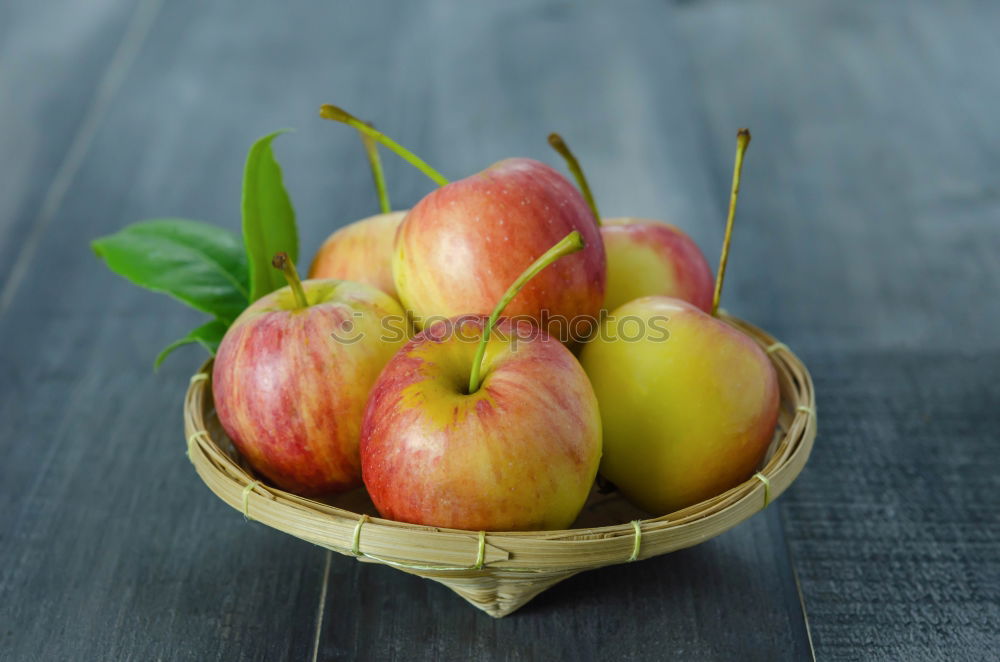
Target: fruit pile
[[473, 362]]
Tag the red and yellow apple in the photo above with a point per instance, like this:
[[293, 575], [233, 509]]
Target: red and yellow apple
[[292, 377], [461, 246], [649, 258], [689, 403], [645, 257], [360, 252], [519, 453]]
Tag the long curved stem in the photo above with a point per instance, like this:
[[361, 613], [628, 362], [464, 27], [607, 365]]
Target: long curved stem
[[378, 175], [287, 267], [742, 141], [558, 144], [330, 112], [571, 243]]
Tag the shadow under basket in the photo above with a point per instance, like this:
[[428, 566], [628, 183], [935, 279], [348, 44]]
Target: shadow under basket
[[499, 572]]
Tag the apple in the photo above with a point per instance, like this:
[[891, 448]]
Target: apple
[[689, 408], [689, 403], [360, 252], [460, 246], [648, 257], [292, 376], [499, 434], [645, 257]]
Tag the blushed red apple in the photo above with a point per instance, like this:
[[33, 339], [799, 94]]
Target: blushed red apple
[[362, 251], [461, 246], [520, 453], [292, 376]]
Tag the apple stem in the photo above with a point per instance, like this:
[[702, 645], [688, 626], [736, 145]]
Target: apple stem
[[330, 112], [558, 144], [287, 267], [742, 141], [371, 149], [571, 243]]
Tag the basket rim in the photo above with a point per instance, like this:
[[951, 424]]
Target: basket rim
[[443, 552]]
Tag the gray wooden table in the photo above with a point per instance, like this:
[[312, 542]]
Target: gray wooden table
[[868, 240]]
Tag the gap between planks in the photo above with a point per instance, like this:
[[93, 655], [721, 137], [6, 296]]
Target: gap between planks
[[322, 606], [798, 584]]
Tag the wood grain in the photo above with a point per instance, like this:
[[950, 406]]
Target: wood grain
[[896, 527], [41, 138], [868, 212]]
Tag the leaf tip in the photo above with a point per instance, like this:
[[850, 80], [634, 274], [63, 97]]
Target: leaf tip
[[96, 245]]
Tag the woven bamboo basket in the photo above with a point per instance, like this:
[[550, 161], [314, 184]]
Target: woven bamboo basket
[[499, 572]]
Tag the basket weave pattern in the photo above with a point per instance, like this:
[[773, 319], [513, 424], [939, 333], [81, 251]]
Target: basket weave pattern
[[501, 571]]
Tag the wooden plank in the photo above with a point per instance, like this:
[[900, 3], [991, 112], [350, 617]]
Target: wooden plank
[[869, 202], [112, 547], [895, 526], [51, 52], [869, 214]]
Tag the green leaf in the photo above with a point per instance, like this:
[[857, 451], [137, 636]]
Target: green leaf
[[207, 335], [199, 264], [268, 218]]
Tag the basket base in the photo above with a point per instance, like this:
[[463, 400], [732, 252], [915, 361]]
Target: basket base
[[504, 597], [498, 593]]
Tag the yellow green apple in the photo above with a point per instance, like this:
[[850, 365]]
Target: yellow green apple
[[689, 403]]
